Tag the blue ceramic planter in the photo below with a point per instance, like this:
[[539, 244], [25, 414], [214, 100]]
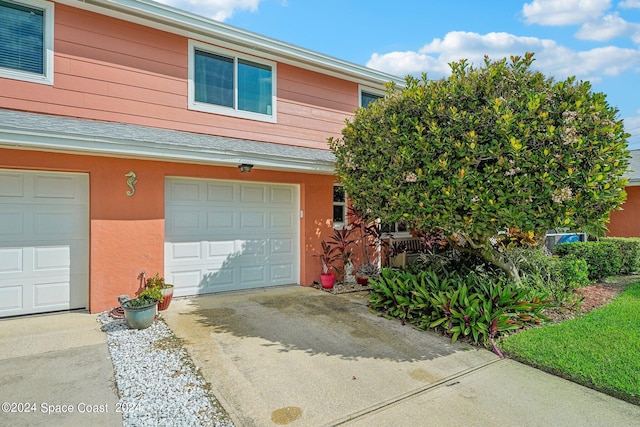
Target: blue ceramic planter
[[139, 317]]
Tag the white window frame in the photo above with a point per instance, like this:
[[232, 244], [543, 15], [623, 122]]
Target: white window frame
[[370, 90], [338, 225], [230, 111], [47, 77]]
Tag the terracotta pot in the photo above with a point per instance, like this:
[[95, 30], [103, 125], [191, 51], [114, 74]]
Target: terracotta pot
[[362, 280], [167, 294], [328, 280]]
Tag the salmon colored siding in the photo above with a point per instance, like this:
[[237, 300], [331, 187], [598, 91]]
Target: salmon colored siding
[[111, 70], [127, 233], [626, 223]]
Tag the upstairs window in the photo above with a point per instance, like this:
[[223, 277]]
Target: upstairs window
[[368, 96], [26, 40], [227, 83]]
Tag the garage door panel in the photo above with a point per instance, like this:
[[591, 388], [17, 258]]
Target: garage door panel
[[281, 272], [252, 248], [186, 251], [282, 247], [218, 279], [185, 221], [185, 191], [11, 260], [282, 220], [11, 224], [11, 298], [11, 184], [54, 187], [44, 241], [282, 196], [52, 258], [51, 295], [253, 274], [253, 220], [252, 194], [50, 222], [221, 220], [251, 238], [224, 193]]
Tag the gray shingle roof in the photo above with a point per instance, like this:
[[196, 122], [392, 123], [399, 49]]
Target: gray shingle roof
[[122, 138]]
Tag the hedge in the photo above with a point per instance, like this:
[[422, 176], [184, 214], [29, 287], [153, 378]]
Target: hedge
[[603, 258], [629, 248]]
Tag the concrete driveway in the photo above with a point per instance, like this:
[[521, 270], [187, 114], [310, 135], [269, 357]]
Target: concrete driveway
[[55, 370], [302, 357]]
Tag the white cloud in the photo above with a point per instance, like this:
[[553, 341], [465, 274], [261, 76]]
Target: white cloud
[[607, 28], [629, 4], [564, 12], [219, 10], [551, 58]]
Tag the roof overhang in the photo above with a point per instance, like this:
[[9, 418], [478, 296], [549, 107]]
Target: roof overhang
[[29, 131], [176, 21], [633, 171]]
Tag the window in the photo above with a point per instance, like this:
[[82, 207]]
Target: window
[[339, 206], [26, 40], [394, 228], [225, 82], [367, 96]]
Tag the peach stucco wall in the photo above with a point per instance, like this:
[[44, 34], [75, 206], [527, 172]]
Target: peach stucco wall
[[127, 233], [112, 70], [626, 222]]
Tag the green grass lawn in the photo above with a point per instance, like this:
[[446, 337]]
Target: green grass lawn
[[600, 350]]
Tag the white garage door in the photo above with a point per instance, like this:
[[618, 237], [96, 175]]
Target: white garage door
[[44, 241], [227, 235]]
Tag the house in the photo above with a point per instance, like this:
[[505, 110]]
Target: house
[[626, 222], [138, 137]]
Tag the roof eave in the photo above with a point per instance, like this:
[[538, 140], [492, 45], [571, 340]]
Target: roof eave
[[102, 146]]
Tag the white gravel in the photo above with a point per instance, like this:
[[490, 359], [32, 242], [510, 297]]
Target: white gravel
[[157, 382]]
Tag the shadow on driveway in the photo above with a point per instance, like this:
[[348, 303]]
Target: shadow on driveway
[[294, 354]]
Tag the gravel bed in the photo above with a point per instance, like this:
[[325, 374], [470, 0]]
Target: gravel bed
[[157, 382]]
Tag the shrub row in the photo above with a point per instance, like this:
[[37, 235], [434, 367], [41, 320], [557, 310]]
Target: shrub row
[[477, 306], [629, 249], [552, 275], [607, 257]]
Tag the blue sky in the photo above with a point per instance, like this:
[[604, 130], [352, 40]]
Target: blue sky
[[595, 40]]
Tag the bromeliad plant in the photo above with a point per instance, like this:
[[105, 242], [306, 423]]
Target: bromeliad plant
[[476, 307]]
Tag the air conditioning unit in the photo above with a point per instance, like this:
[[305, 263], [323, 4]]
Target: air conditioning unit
[[553, 239]]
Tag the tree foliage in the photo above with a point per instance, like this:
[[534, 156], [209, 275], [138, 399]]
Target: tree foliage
[[486, 150]]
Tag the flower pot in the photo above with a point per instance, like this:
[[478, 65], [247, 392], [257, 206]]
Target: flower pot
[[139, 317], [362, 280], [167, 294], [328, 280]]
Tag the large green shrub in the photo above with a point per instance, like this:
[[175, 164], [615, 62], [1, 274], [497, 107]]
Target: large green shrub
[[483, 151], [603, 258], [555, 276], [629, 248]]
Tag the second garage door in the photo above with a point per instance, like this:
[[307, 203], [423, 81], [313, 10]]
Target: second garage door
[[228, 235], [44, 241]]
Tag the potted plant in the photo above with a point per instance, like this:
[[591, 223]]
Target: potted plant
[[366, 271], [341, 243], [327, 257], [165, 289], [140, 312]]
